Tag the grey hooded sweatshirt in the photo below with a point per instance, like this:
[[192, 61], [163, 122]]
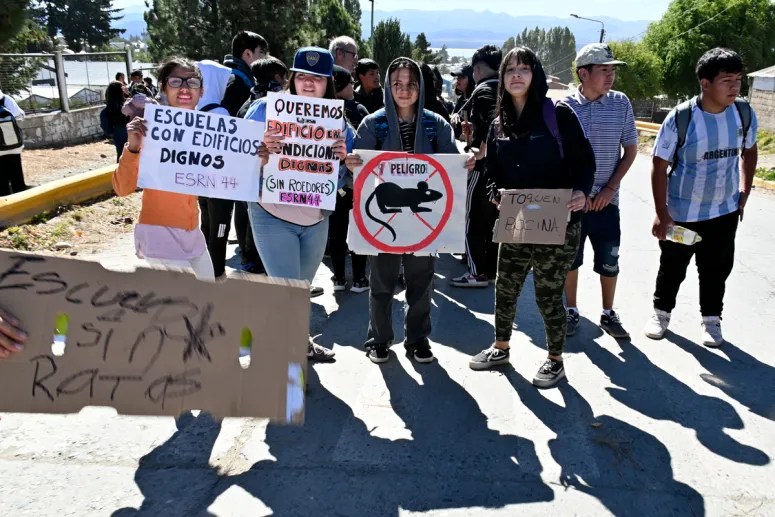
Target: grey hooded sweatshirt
[[366, 138]]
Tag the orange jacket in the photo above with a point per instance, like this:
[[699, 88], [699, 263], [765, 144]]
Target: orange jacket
[[159, 208]]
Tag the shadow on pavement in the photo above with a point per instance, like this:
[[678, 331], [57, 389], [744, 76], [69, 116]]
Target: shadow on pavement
[[334, 465], [739, 375], [651, 391], [625, 468]]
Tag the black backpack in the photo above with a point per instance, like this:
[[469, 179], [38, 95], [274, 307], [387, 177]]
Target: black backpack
[[10, 133]]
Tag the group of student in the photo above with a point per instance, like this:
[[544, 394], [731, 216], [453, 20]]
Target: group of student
[[517, 138]]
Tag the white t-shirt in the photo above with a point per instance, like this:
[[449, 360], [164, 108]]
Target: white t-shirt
[[18, 114], [706, 182]]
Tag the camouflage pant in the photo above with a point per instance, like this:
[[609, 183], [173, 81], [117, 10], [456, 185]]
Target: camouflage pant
[[550, 266]]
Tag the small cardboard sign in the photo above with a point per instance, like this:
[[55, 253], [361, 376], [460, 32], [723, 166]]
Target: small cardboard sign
[[408, 203], [306, 172], [200, 153], [533, 216], [152, 342]]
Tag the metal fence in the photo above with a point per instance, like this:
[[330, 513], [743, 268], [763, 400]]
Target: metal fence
[[59, 81], [653, 110]]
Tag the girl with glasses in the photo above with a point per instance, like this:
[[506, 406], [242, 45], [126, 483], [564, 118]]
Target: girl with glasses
[[167, 233]]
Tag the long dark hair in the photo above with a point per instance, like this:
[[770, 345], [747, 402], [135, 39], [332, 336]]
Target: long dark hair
[[330, 87], [114, 93], [510, 123]]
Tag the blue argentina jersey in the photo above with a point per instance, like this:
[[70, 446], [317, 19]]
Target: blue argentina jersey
[[706, 182]]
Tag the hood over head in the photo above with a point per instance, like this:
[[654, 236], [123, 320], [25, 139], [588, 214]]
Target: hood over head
[[390, 106]]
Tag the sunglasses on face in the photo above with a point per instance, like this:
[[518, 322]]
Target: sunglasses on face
[[193, 83]]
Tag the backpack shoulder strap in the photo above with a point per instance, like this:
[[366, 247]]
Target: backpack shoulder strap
[[242, 75], [550, 119], [429, 126], [380, 129], [683, 117], [744, 110], [210, 106]]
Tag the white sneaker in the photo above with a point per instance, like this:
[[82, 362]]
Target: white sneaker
[[657, 325], [711, 331]]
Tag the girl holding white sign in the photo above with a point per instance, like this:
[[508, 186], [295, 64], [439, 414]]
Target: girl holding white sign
[[291, 239], [167, 232], [534, 144]]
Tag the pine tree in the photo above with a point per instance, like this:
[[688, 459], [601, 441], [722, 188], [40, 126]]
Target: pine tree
[[421, 51], [389, 43], [81, 22], [329, 18]]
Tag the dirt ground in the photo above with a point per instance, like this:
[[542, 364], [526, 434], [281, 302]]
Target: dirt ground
[[44, 165]]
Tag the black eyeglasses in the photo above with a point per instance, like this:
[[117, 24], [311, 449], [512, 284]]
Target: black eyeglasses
[[355, 54], [193, 83]]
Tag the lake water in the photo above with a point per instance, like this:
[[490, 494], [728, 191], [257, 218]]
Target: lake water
[[462, 52]]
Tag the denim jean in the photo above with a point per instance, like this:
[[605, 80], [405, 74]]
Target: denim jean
[[288, 250]]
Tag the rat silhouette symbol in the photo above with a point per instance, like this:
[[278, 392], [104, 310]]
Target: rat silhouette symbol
[[391, 198]]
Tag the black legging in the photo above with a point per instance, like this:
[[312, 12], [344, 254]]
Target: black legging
[[338, 224]]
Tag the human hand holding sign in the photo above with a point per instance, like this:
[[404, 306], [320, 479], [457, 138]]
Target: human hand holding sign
[[340, 149], [470, 162], [12, 338], [577, 201], [352, 161], [136, 130], [272, 144]]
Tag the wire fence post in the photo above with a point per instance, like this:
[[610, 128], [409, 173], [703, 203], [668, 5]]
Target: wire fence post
[[128, 59], [64, 100]]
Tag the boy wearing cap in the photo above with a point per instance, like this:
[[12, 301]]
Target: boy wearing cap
[[705, 142], [607, 118], [369, 92]]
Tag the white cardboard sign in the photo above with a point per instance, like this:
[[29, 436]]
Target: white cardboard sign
[[306, 172], [408, 203], [200, 154]]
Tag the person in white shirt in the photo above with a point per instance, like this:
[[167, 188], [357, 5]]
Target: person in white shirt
[[707, 140], [11, 171]]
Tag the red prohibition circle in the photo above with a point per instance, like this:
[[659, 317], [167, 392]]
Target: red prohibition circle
[[368, 168]]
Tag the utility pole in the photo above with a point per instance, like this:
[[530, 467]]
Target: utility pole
[[372, 21]]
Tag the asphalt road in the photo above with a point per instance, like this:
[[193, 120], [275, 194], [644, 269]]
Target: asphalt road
[[641, 427]]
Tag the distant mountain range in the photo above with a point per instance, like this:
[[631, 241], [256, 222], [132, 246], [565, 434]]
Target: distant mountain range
[[461, 28]]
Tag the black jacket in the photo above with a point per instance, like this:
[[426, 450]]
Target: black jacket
[[237, 90], [531, 159], [355, 112], [483, 104], [371, 101]]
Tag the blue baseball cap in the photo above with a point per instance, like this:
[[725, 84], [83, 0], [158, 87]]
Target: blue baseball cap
[[313, 60]]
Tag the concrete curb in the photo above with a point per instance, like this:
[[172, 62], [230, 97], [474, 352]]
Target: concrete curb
[[763, 184], [20, 208]]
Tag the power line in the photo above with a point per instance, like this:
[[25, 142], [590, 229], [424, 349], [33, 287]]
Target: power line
[[706, 21]]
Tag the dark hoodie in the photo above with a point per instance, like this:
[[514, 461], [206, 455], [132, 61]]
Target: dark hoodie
[[525, 154], [237, 90], [366, 136]]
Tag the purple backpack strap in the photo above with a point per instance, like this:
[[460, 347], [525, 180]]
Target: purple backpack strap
[[550, 119]]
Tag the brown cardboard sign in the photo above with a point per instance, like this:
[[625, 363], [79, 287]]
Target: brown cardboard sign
[[152, 342], [533, 216]]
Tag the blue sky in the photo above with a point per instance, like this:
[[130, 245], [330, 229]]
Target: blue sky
[[622, 9]]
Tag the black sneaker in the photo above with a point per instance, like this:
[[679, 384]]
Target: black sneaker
[[340, 284], [420, 352], [315, 291], [613, 325], [488, 358], [360, 286], [549, 374], [378, 354], [319, 353], [573, 322]]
